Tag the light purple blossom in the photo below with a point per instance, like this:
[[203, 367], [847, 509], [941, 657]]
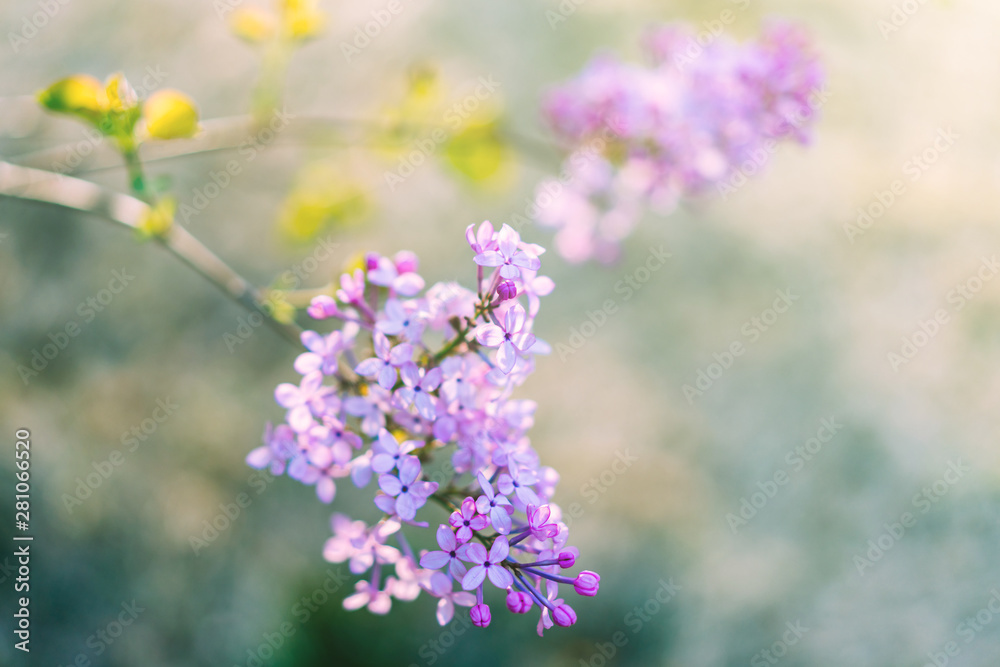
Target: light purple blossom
[[441, 587], [399, 275], [303, 402], [510, 338], [401, 320], [389, 453], [386, 360], [451, 553], [508, 256], [487, 565], [466, 520], [418, 387], [407, 493], [495, 505]]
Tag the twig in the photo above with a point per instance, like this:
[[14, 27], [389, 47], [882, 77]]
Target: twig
[[43, 186]]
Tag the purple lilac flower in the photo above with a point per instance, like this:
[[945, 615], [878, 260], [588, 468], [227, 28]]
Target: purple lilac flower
[[508, 256], [404, 494], [688, 121], [487, 565], [451, 554], [450, 394], [418, 387], [386, 360], [466, 520], [442, 587], [495, 505], [510, 338]]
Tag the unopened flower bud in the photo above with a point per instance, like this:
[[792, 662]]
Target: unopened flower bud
[[371, 261], [587, 583], [506, 290], [405, 261], [480, 615], [567, 559], [564, 615], [518, 602]]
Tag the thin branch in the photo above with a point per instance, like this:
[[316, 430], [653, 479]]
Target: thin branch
[[43, 186]]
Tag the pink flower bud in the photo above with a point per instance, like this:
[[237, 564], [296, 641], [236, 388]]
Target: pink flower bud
[[371, 261], [480, 615], [506, 290], [587, 583], [406, 261], [518, 602], [322, 307], [564, 616], [567, 559]]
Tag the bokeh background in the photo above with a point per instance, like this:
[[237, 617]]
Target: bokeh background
[[664, 519]]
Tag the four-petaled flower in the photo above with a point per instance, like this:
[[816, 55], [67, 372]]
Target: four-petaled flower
[[390, 454], [419, 385], [510, 338], [404, 494], [451, 554], [466, 520], [488, 565], [308, 399], [495, 505], [519, 482], [507, 255], [400, 275], [386, 360], [402, 321]]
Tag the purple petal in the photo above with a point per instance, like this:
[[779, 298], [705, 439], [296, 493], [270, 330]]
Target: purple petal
[[445, 538], [485, 485], [506, 356], [510, 271], [383, 463], [390, 484], [408, 284], [489, 335], [457, 569], [405, 507], [308, 362], [369, 367], [473, 552], [326, 490], [387, 377], [508, 240], [432, 380], [259, 457], [382, 345], [401, 354], [287, 395], [474, 578], [434, 560], [513, 319], [300, 419], [445, 611], [526, 261], [425, 406], [500, 550], [409, 468], [410, 374], [500, 577], [489, 258], [500, 520]]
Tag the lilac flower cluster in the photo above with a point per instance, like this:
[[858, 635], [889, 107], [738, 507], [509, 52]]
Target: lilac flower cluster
[[438, 379], [646, 136]]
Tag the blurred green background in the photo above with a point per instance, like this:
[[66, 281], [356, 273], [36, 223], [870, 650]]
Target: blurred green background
[[735, 593]]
